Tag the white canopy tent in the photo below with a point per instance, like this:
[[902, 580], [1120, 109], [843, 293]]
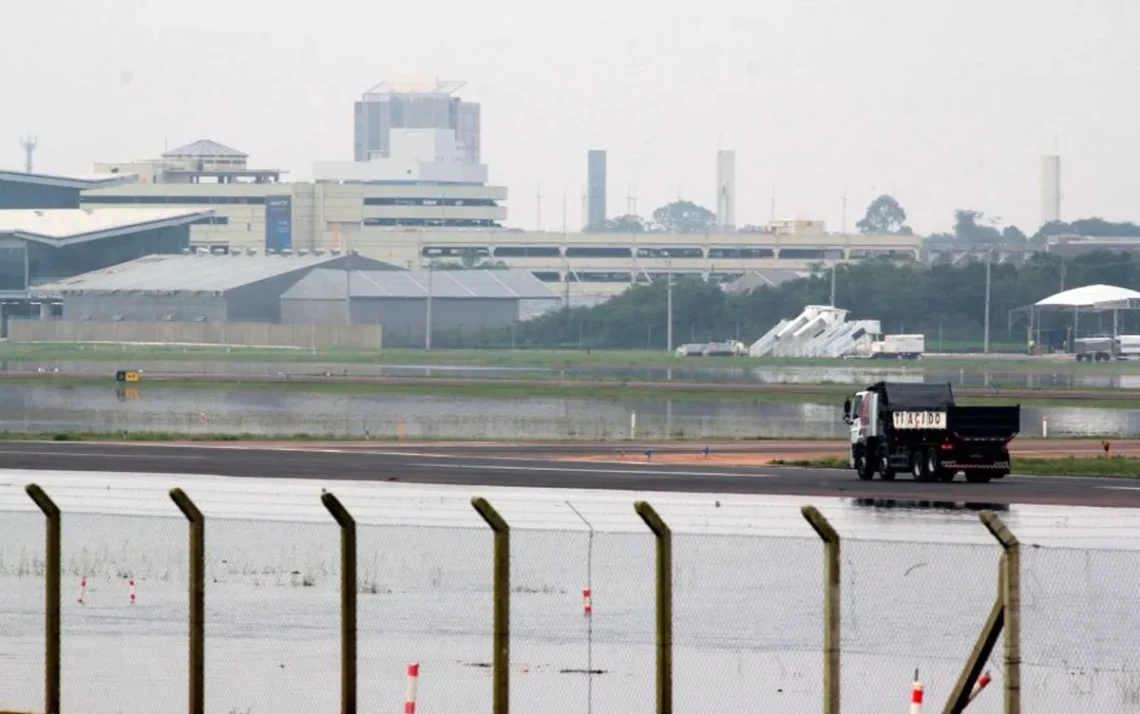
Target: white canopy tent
[[1088, 299]]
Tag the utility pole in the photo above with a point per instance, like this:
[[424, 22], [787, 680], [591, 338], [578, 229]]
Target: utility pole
[[427, 326], [669, 306], [833, 264], [986, 337]]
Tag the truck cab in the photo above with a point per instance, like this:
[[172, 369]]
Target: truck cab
[[919, 428]]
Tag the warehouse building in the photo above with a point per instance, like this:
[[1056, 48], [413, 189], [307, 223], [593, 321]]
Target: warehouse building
[[193, 287], [461, 302]]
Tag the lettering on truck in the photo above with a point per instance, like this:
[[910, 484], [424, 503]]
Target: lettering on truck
[[919, 420]]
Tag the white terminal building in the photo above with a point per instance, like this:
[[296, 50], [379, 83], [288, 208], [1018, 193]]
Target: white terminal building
[[422, 196]]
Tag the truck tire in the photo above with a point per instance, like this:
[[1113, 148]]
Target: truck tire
[[863, 467], [935, 469], [886, 471], [919, 468], [978, 477]]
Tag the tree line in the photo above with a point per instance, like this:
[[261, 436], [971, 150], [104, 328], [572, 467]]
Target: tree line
[[945, 302], [883, 215]]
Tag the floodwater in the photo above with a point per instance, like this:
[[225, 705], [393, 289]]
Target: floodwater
[[917, 583], [1066, 376], [49, 407]]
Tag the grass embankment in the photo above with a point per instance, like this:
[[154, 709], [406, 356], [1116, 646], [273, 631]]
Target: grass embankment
[[618, 390], [526, 358], [1117, 467]]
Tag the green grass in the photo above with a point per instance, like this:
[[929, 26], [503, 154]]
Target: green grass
[[522, 358], [1118, 467], [826, 394]]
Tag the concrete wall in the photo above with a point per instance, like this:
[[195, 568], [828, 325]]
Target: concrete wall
[[238, 334]]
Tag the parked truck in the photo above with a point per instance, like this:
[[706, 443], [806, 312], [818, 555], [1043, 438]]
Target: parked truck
[[899, 347], [897, 427]]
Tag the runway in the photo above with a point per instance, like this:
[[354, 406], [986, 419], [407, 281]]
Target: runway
[[547, 466]]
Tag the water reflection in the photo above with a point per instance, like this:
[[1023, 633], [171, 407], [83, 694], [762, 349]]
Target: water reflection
[[1010, 377], [48, 407]]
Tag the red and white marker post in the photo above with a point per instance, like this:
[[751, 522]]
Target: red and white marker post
[[82, 590], [413, 681], [916, 695], [981, 684], [587, 603], [132, 583]]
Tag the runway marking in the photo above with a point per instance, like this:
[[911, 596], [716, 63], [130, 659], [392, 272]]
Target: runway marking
[[626, 472], [1119, 488]]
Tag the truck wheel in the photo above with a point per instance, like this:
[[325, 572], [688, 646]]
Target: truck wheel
[[934, 467], [863, 467], [978, 477], [918, 467], [886, 471]]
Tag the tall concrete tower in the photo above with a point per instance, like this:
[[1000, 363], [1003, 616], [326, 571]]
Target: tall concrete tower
[[1050, 189], [726, 190], [596, 188]]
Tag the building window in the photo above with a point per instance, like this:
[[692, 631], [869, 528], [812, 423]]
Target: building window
[[12, 269], [117, 199], [527, 251], [598, 252]]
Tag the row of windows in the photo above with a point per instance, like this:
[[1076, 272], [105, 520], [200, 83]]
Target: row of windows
[[598, 276], [116, 199], [437, 222], [430, 202], [519, 251]]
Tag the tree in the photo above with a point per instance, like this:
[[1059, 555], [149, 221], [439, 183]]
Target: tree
[[946, 302], [625, 224], [469, 259], [884, 215], [684, 217], [967, 228], [1012, 235]]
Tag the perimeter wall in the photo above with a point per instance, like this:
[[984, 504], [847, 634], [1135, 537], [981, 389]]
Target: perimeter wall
[[238, 334]]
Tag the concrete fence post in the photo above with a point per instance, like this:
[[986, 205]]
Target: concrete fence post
[[51, 596], [502, 605], [664, 538], [347, 601], [831, 646], [197, 598], [1010, 597]]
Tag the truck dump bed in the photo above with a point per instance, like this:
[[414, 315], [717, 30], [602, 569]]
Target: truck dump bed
[[898, 396], [984, 423]]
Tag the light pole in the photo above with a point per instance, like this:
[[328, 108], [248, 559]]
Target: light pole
[[427, 317], [986, 332], [669, 303]]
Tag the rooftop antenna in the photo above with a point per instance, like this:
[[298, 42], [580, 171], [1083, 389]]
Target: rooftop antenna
[[773, 204], [538, 198], [28, 144]]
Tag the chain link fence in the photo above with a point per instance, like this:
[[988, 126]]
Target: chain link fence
[[747, 621]]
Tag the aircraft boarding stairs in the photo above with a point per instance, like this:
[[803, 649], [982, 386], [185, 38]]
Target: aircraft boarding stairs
[[818, 331]]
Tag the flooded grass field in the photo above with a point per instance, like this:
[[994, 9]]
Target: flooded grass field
[[44, 407]]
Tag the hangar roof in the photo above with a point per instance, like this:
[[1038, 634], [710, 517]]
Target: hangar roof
[[1092, 296], [76, 181], [487, 284], [66, 226], [198, 272]]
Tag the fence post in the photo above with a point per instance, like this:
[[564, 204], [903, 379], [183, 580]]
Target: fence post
[[1010, 597], [664, 604], [197, 598], [51, 596], [502, 607], [347, 601], [831, 648]]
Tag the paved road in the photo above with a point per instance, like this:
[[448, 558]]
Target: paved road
[[467, 466]]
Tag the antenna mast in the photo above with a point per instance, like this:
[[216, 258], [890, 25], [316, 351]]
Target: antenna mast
[[28, 144]]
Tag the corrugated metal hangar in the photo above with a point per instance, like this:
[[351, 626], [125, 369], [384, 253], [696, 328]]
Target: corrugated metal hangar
[[462, 301], [196, 287]]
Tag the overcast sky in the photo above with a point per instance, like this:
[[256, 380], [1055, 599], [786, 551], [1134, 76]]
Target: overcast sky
[[944, 104]]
